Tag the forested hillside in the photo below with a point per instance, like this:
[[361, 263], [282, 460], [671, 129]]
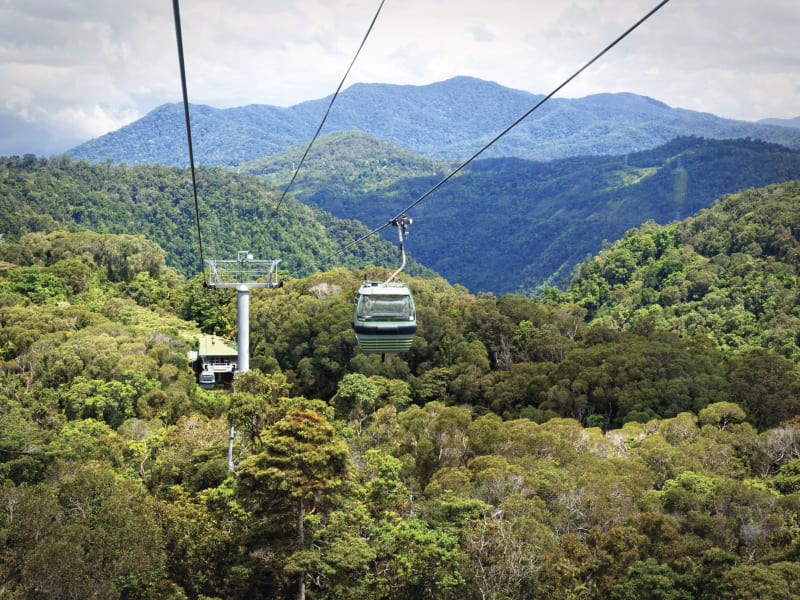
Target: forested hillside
[[344, 164], [730, 272], [509, 225], [449, 119], [236, 213], [502, 225], [795, 122], [522, 449]]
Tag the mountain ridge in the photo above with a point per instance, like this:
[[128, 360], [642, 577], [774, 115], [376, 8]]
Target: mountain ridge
[[448, 119], [510, 224], [795, 122], [236, 212]]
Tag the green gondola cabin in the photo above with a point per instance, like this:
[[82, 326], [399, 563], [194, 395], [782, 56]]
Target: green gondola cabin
[[385, 318]]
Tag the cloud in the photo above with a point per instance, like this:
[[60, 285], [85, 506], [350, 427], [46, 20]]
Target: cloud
[[76, 73], [83, 68]]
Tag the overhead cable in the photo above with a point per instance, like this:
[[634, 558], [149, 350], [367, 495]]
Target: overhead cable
[[507, 129], [179, 37], [327, 112]]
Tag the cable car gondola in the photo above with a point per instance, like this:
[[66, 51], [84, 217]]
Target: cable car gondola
[[385, 318], [207, 380]]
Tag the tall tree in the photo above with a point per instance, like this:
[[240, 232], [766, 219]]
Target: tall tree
[[302, 463]]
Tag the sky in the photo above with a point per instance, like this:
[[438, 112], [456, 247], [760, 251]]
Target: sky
[[72, 70]]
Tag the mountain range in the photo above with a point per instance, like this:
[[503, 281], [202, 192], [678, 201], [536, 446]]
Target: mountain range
[[575, 175], [782, 122], [501, 225], [515, 225], [449, 119]]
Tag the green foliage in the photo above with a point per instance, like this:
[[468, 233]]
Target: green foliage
[[751, 582], [787, 480], [208, 307], [721, 414], [653, 581], [294, 477], [531, 223], [517, 451], [110, 401], [415, 561], [358, 397], [729, 273], [86, 532], [255, 402], [150, 208], [544, 218], [766, 385], [35, 284], [342, 163], [301, 457]]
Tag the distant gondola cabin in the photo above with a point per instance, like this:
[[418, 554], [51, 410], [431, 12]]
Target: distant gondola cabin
[[215, 360]]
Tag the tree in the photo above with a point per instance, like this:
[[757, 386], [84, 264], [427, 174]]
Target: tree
[[206, 306], [787, 479], [190, 454], [89, 533], [37, 284], [767, 385], [356, 399], [302, 463], [255, 401], [201, 538], [501, 557], [721, 414], [414, 560], [433, 436], [651, 580], [778, 581]]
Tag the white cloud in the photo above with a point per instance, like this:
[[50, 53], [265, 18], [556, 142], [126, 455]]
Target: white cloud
[[86, 67]]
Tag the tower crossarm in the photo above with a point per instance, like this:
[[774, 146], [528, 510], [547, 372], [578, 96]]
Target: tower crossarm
[[243, 272]]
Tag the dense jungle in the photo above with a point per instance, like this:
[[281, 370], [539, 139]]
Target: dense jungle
[[633, 435]]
